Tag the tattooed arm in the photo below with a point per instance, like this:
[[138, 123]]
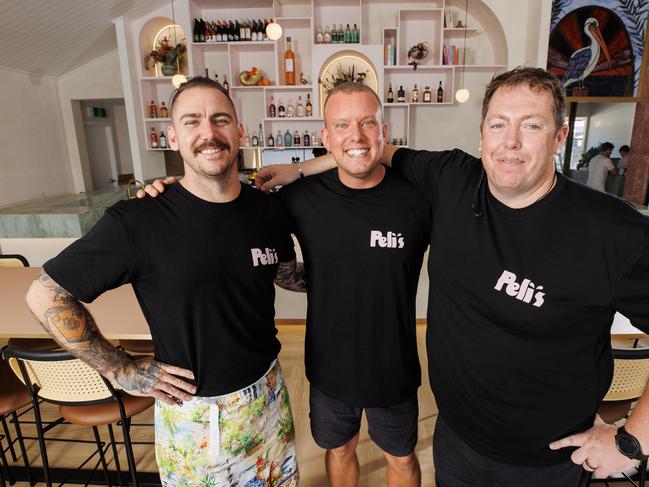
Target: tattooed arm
[[290, 275], [74, 328]]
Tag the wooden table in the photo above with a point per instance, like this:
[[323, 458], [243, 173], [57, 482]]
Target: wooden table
[[116, 312]]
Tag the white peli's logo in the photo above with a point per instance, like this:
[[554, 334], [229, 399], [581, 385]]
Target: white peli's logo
[[391, 240], [264, 257], [524, 291]]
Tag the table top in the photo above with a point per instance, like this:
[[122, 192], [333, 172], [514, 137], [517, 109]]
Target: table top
[[117, 312]]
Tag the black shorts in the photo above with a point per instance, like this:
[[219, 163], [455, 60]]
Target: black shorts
[[392, 428]]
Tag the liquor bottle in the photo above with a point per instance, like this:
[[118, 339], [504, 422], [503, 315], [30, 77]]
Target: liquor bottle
[[288, 139], [299, 108], [314, 140], [281, 111], [153, 110], [348, 35], [296, 138], [440, 93], [164, 113], [401, 95], [341, 34], [261, 135], [289, 109], [242, 32], [236, 32], [226, 85], [319, 37], [230, 29], [163, 140], [195, 31], [428, 95], [414, 95], [255, 140], [153, 138], [356, 35], [390, 97], [272, 112], [246, 137], [208, 31], [308, 111], [201, 31], [279, 139], [289, 64], [271, 141], [327, 35], [248, 30], [307, 139], [218, 35]]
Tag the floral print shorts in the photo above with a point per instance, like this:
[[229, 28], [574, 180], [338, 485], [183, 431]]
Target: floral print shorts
[[243, 439]]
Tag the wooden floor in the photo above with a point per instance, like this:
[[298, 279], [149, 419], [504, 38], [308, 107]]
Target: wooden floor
[[310, 456]]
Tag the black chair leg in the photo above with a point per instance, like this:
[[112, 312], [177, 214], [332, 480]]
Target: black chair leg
[[102, 458], [21, 443], [115, 455], [129, 452], [4, 467], [9, 442], [41, 442], [643, 473]]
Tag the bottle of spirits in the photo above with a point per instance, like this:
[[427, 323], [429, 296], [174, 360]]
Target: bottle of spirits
[[163, 140], [414, 95], [164, 113], [334, 35], [271, 141], [299, 108], [319, 37], [308, 111], [289, 109], [314, 139], [153, 138], [348, 35], [248, 30], [296, 138], [195, 31], [341, 34], [246, 138], [289, 63], [327, 35], [272, 112], [288, 139], [201, 31], [261, 135], [401, 95], [236, 31], [307, 139], [281, 111], [279, 139], [428, 95], [440, 93], [390, 97], [356, 35], [153, 110], [254, 141], [226, 85]]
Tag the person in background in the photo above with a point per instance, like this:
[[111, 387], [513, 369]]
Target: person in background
[[527, 269], [623, 164], [600, 167], [205, 286]]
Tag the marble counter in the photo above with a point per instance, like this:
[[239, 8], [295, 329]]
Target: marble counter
[[69, 215]]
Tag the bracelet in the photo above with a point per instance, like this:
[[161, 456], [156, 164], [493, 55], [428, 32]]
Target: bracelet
[[300, 171]]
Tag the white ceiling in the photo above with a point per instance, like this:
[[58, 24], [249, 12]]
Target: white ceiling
[[52, 37]]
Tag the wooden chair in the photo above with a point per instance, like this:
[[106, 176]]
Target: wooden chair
[[84, 398]]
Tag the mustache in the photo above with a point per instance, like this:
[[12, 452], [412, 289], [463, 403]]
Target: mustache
[[212, 144]]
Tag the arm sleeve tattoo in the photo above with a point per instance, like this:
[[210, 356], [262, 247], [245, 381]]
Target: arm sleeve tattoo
[[73, 327], [290, 275]]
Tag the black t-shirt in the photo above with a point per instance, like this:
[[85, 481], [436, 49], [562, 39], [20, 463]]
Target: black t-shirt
[[363, 250], [521, 303], [202, 273]]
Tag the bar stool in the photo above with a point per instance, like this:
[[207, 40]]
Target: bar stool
[[84, 397]]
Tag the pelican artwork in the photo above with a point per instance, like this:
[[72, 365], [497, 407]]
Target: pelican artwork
[[583, 61]]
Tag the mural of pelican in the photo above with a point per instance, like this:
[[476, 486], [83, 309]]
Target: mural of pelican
[[583, 61]]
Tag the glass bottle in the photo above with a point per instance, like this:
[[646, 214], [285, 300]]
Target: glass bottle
[[299, 108], [288, 139], [401, 95], [153, 138], [307, 139], [440, 93], [164, 113], [246, 138], [327, 35], [281, 111], [289, 109], [296, 138], [254, 141], [289, 63], [271, 141], [348, 35], [272, 111], [414, 94], [163, 140], [356, 35], [226, 85], [319, 37], [153, 110], [279, 139], [308, 111], [428, 95], [390, 97]]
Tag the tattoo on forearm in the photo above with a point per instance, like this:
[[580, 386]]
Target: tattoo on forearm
[[290, 275], [72, 326]]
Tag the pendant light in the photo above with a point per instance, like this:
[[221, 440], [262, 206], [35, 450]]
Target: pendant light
[[274, 31], [462, 95], [177, 79]]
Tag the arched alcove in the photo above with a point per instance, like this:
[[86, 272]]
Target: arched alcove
[[153, 30]]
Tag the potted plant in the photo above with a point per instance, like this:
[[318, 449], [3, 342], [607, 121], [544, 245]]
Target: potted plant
[[171, 58]]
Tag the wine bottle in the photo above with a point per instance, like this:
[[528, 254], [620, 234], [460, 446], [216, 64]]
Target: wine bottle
[[348, 35], [271, 141], [281, 111], [201, 31], [390, 97], [289, 63], [440, 93], [356, 35], [401, 95], [163, 140], [195, 31]]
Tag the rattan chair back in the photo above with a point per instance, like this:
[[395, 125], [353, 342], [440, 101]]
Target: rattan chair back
[[13, 260], [630, 374]]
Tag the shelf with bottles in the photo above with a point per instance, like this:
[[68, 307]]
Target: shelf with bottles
[[339, 13], [429, 86], [155, 100], [288, 104], [156, 137], [341, 35]]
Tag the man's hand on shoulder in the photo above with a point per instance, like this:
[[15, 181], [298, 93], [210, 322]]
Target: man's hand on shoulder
[[154, 189], [269, 177]]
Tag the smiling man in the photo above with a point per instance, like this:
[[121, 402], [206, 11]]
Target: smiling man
[[527, 269], [204, 279]]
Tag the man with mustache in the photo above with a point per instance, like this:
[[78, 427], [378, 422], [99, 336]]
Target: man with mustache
[[205, 286], [527, 269]]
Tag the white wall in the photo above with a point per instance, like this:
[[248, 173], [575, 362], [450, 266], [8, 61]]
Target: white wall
[[120, 127], [93, 81], [608, 122], [33, 156]]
